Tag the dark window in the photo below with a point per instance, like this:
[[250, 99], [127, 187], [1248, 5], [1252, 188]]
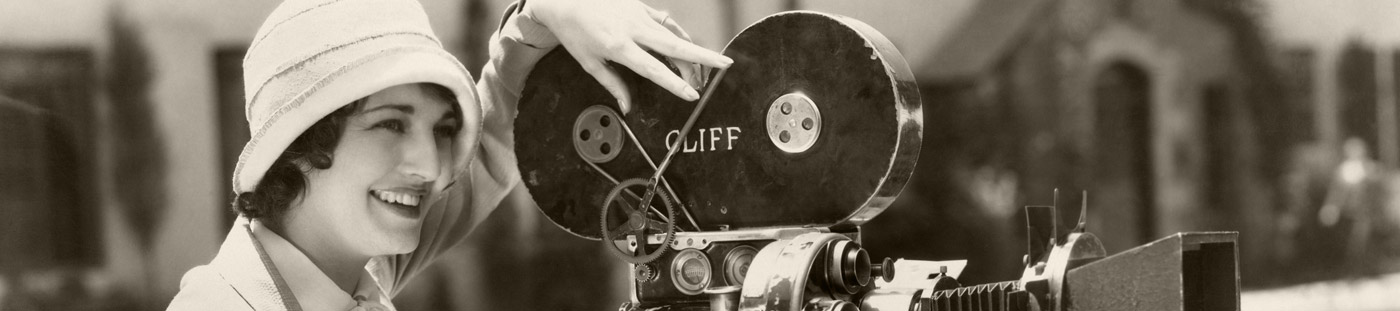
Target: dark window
[[1219, 118], [1123, 138], [1123, 9], [233, 123], [1298, 75], [1358, 93], [48, 187]]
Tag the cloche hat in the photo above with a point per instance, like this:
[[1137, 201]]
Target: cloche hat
[[312, 57]]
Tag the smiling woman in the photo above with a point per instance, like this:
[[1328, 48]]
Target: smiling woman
[[392, 145], [372, 152]]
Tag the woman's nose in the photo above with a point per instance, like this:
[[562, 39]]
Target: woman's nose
[[420, 157]]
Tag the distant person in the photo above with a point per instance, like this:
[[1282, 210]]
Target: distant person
[[372, 152], [1356, 195]]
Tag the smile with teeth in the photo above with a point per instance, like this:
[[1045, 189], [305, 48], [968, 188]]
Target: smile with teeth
[[398, 197]]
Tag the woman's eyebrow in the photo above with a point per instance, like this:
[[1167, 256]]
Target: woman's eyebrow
[[405, 108], [450, 116]]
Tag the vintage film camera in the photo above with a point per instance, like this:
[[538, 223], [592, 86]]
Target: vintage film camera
[[752, 198]]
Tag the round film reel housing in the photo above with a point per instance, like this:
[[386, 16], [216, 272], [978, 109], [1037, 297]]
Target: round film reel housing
[[736, 169]]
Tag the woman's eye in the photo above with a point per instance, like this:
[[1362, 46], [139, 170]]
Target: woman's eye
[[393, 125], [445, 131]]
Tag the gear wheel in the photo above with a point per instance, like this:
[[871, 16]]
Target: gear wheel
[[645, 273], [637, 224]]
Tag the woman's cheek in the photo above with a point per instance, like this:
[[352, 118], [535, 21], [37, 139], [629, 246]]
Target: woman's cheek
[[380, 151]]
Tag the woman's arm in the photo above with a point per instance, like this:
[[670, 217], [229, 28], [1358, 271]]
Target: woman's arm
[[492, 174]]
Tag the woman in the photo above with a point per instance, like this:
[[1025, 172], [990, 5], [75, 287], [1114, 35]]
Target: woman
[[370, 152]]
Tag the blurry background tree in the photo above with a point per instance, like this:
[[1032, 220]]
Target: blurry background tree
[[139, 177]]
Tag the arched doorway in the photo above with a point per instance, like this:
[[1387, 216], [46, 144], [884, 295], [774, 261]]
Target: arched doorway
[[1122, 195]]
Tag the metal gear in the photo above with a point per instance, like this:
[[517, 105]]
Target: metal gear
[[644, 272], [637, 224]]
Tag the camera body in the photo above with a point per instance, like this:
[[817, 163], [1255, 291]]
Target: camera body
[[699, 261], [753, 197]]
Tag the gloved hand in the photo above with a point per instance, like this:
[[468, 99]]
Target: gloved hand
[[598, 31]]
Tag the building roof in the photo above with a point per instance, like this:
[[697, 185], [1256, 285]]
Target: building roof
[[984, 37]]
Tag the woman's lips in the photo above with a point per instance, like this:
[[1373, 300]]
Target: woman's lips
[[400, 203], [402, 197]]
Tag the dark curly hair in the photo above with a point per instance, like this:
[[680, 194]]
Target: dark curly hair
[[285, 180]]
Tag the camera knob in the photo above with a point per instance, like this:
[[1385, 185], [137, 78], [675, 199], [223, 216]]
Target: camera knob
[[884, 270]]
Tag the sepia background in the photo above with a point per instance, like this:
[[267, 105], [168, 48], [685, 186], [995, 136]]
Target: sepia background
[[1274, 118]]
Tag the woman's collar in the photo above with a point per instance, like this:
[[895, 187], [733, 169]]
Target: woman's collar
[[246, 267], [311, 287], [272, 274]]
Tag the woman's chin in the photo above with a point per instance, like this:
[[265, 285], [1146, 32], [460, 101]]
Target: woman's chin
[[404, 248], [400, 241], [399, 233]]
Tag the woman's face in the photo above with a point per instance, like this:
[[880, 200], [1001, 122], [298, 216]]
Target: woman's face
[[373, 197]]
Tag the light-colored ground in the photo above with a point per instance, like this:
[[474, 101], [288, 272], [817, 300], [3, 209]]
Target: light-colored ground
[[1368, 294]]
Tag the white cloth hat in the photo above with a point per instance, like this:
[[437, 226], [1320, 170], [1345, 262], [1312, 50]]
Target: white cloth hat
[[312, 57]]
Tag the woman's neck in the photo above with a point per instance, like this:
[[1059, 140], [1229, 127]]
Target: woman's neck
[[343, 266]]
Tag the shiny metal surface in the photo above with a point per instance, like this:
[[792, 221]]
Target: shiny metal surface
[[794, 123], [737, 263], [690, 271], [723, 298], [778, 278]]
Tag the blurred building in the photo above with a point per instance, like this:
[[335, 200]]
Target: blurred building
[[1163, 111], [1338, 61], [1179, 115], [1342, 54]]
